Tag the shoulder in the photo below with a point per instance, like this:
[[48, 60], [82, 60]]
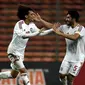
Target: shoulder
[[80, 27], [33, 25], [20, 22], [64, 27]]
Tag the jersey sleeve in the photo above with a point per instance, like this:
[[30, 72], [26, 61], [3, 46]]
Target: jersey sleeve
[[34, 28], [46, 32], [81, 31], [18, 29]]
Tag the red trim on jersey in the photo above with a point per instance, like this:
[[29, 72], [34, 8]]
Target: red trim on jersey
[[20, 24]]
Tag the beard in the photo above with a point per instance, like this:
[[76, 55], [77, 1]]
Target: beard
[[68, 23]]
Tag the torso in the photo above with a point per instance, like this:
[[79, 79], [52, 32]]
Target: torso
[[74, 49]]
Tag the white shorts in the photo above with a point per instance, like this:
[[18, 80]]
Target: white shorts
[[19, 62], [70, 67]]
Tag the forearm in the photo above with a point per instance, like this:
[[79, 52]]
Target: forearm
[[47, 24], [71, 36], [46, 32]]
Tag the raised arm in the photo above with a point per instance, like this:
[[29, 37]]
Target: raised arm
[[27, 35], [24, 35], [37, 17]]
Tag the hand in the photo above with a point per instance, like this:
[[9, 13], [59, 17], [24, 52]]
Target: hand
[[41, 30], [55, 26], [37, 17]]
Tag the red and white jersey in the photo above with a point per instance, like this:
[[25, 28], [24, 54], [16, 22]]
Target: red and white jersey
[[75, 49], [18, 44]]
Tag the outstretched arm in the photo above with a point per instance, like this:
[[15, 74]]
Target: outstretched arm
[[32, 34], [37, 17], [25, 35], [69, 36], [46, 32]]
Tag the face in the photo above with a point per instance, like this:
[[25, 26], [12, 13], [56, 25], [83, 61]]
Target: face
[[68, 20], [30, 15]]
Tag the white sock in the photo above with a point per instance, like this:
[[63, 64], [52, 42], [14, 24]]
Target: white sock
[[25, 79], [5, 75]]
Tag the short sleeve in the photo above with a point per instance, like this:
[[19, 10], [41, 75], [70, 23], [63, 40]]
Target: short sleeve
[[18, 29], [81, 31], [33, 28]]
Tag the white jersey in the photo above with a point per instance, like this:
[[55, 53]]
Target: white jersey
[[75, 49], [18, 44]]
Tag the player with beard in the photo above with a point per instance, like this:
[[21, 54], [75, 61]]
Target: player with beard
[[74, 34]]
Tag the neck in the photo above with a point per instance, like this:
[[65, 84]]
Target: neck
[[75, 24], [27, 21]]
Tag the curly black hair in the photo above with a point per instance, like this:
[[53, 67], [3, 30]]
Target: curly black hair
[[22, 11]]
